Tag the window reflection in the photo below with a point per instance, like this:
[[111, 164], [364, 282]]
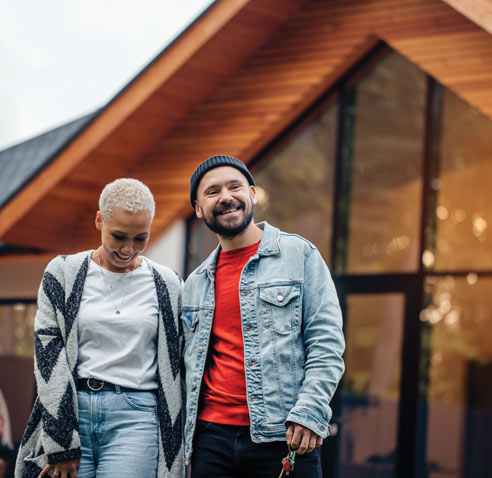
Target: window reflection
[[296, 185], [458, 391], [371, 385], [385, 184], [16, 329], [201, 243], [464, 217]]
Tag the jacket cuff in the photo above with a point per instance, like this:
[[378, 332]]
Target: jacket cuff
[[64, 455], [307, 420]]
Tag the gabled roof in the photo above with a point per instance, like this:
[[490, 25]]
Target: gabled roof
[[20, 163], [230, 84]]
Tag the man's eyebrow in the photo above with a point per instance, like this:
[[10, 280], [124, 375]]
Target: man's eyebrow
[[238, 180]]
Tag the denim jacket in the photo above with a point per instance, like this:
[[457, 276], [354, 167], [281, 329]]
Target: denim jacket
[[292, 332]]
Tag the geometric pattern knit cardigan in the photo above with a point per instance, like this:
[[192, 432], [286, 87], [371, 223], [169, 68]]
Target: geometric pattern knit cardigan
[[52, 430]]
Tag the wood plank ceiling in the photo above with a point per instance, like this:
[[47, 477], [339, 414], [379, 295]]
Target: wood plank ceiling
[[266, 61]]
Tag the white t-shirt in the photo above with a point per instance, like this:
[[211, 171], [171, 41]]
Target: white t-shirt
[[119, 348]]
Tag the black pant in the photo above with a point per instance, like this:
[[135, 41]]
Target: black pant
[[226, 451]]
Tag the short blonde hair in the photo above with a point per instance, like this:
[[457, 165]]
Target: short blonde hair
[[126, 193]]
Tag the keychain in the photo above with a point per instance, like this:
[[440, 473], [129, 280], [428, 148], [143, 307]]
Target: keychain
[[288, 463]]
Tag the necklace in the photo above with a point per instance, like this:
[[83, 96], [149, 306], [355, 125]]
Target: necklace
[[110, 286]]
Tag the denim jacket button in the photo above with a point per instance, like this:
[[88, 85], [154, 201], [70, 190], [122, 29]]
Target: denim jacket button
[[193, 386], [200, 349], [280, 297]]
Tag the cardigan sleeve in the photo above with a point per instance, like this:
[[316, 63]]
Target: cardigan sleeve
[[56, 389]]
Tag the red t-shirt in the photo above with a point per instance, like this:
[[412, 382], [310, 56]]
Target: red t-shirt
[[224, 383]]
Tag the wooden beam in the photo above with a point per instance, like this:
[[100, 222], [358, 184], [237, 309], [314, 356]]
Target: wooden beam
[[478, 11]]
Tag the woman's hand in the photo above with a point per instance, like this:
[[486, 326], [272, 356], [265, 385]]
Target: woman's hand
[[62, 469]]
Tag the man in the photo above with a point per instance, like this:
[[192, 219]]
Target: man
[[263, 338]]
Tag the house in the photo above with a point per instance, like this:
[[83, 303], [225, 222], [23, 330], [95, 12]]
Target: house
[[368, 127]]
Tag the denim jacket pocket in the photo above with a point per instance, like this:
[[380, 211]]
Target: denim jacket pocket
[[190, 317], [280, 305]]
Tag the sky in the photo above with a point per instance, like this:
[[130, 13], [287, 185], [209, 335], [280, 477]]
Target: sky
[[62, 59]]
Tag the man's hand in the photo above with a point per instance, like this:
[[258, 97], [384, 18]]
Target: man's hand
[[62, 469], [302, 439]]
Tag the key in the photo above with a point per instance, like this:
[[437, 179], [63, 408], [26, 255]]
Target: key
[[292, 459], [285, 461], [288, 464]]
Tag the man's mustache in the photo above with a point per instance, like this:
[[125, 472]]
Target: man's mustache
[[220, 209]]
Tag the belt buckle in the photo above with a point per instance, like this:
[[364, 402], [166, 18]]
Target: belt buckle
[[92, 388]]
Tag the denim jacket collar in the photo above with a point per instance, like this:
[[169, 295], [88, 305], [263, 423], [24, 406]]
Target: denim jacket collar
[[269, 246]]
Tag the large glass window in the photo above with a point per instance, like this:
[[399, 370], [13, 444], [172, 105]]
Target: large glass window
[[201, 243], [371, 385], [296, 185], [16, 327], [464, 206], [383, 146], [457, 388]]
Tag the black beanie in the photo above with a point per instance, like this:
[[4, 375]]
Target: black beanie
[[216, 162]]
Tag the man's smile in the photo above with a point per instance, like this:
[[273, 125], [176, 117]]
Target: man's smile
[[223, 211], [228, 211]]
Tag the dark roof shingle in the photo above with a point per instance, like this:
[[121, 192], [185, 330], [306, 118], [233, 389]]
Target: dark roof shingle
[[20, 163]]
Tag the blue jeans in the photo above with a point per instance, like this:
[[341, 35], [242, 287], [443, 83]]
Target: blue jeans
[[226, 451], [118, 434]]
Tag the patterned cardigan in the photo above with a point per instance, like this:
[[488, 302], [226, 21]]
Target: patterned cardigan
[[52, 430]]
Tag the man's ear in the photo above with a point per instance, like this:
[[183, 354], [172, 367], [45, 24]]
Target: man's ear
[[98, 220], [252, 191], [198, 210]]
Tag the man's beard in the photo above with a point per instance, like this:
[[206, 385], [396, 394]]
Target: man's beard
[[229, 231]]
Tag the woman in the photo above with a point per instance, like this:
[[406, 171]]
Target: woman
[[107, 355]]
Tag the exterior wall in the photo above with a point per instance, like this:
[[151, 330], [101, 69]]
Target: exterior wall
[[169, 248], [20, 280]]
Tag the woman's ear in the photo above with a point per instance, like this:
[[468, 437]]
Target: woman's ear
[[98, 220]]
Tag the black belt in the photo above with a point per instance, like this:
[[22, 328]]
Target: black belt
[[96, 385]]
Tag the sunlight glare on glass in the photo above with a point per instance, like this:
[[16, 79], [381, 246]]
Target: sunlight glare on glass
[[479, 225], [428, 258], [442, 212], [472, 278]]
